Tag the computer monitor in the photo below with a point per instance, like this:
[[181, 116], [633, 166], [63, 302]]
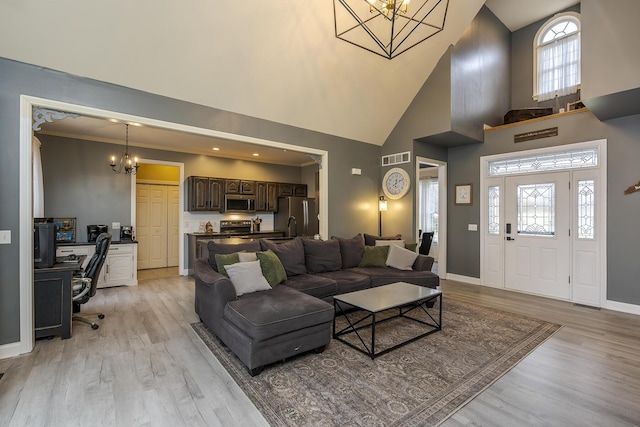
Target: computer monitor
[[44, 244]]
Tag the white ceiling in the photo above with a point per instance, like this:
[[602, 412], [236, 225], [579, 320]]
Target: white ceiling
[[278, 61]]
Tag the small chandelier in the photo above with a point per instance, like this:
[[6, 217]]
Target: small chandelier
[[388, 27], [126, 165]]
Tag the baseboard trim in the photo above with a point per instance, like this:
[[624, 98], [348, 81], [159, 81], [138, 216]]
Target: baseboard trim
[[623, 307], [464, 279], [9, 350]]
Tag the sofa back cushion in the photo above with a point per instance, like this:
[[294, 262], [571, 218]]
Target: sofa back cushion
[[222, 248], [351, 250], [290, 253], [370, 239], [322, 256]]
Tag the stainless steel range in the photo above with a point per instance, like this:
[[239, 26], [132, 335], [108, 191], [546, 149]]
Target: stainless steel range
[[235, 226]]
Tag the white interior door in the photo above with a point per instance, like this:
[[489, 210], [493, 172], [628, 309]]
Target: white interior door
[[537, 228], [157, 226], [142, 225], [173, 227]]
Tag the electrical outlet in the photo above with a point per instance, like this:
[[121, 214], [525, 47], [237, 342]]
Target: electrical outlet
[[5, 237], [115, 226]]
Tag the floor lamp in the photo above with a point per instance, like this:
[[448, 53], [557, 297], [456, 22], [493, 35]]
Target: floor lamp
[[382, 207]]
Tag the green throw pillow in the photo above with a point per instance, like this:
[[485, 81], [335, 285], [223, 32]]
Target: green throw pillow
[[411, 246], [272, 268], [226, 259], [374, 256]]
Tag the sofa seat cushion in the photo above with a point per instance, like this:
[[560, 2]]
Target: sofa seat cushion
[[385, 275], [312, 284], [348, 281], [281, 310]]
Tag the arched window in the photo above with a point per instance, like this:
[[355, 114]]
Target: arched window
[[557, 57]]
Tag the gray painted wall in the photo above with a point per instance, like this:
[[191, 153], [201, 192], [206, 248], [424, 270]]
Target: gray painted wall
[[351, 198], [469, 87]]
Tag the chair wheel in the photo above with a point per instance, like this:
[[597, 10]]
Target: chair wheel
[[94, 326], [100, 316]]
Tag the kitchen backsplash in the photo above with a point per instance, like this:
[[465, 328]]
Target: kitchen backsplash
[[192, 220]]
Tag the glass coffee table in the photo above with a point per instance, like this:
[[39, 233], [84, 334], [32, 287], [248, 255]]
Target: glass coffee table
[[405, 297]]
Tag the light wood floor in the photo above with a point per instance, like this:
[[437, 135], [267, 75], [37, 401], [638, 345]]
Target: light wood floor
[[146, 367]]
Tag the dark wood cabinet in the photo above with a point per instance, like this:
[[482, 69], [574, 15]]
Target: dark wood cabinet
[[216, 195], [204, 194], [238, 186], [285, 190], [266, 197]]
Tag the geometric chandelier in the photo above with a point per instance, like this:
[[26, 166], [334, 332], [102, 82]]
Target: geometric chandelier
[[126, 165], [388, 27]]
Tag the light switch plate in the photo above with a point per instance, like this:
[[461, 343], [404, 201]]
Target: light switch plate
[[5, 237], [115, 226], [472, 227]]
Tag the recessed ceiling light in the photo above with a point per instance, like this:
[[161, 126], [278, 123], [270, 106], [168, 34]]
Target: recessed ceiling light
[[114, 120], [256, 154], [135, 124], [216, 149]]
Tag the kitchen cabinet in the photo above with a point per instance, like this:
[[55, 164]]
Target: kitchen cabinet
[[266, 196], [204, 194], [238, 186], [286, 190], [119, 268]]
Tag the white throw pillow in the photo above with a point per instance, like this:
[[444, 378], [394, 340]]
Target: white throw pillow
[[399, 243], [247, 277], [247, 256], [400, 258]]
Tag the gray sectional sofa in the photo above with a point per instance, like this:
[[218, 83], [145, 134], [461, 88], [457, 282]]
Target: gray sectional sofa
[[294, 313]]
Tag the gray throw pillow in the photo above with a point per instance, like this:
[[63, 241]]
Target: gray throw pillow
[[351, 250], [322, 255], [290, 253], [224, 248], [370, 239], [374, 256]]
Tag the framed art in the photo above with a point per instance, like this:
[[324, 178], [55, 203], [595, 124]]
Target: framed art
[[464, 194]]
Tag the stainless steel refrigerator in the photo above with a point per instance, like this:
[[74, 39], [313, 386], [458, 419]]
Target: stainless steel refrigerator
[[296, 216]]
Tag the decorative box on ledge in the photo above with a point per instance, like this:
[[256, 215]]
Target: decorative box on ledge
[[514, 116]]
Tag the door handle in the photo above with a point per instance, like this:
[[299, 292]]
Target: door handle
[[509, 238]]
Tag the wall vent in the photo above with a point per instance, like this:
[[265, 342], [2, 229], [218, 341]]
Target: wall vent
[[396, 159]]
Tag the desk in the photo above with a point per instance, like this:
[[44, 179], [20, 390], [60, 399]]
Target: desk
[[52, 294]]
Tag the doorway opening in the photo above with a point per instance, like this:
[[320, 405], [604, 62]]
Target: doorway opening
[[156, 217], [431, 210]]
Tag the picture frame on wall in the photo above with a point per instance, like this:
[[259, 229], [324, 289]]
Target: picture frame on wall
[[464, 194]]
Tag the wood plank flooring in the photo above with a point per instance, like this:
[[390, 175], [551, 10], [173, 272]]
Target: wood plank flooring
[[146, 367]]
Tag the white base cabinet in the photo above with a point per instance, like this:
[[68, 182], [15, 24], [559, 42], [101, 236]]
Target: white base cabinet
[[119, 268]]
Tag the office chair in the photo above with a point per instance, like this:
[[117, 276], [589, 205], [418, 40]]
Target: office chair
[[85, 285], [425, 244]]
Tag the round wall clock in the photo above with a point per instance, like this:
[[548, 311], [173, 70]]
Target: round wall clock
[[396, 183]]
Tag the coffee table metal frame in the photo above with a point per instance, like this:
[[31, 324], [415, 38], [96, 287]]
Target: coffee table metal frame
[[405, 302]]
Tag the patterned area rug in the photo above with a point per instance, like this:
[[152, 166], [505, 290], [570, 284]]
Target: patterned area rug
[[419, 384]]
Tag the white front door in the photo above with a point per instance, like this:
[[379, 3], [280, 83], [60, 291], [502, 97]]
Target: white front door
[[537, 234]]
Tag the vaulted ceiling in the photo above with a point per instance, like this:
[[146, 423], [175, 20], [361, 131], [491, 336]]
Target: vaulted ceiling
[[277, 61]]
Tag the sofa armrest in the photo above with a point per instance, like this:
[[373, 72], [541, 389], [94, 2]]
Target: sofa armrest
[[423, 263], [213, 292]]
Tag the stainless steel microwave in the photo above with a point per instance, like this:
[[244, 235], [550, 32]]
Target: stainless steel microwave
[[239, 203]]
